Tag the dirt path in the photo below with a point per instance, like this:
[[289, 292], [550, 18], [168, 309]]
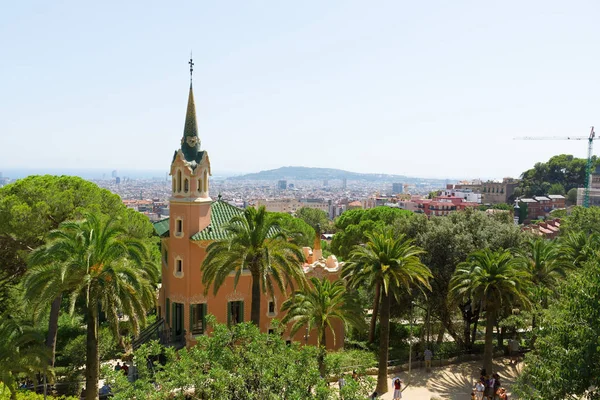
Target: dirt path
[[452, 382]]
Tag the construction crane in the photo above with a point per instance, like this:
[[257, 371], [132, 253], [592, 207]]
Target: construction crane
[[588, 168]]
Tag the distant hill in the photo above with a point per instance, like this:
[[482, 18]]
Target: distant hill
[[307, 173]]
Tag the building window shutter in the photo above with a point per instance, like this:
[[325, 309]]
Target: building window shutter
[[229, 313], [204, 309], [168, 312], [173, 318]]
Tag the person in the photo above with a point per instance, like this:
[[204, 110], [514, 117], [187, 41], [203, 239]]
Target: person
[[397, 383], [341, 384], [489, 387], [428, 355], [513, 349], [118, 366], [374, 396], [479, 389], [82, 395], [125, 369], [502, 394], [104, 390], [355, 375], [497, 384], [473, 396]]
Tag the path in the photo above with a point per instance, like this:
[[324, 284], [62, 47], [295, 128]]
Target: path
[[452, 382]]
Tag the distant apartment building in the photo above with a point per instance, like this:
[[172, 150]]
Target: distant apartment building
[[397, 188], [443, 205], [466, 194], [290, 206], [492, 192], [539, 207], [282, 184]]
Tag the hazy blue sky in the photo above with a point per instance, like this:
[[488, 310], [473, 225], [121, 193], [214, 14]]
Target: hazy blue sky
[[422, 88]]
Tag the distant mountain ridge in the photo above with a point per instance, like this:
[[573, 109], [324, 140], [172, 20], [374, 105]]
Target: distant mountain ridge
[[309, 173]]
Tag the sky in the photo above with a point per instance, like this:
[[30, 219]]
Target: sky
[[427, 89]]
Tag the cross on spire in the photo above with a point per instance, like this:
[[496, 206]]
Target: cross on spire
[[191, 62]]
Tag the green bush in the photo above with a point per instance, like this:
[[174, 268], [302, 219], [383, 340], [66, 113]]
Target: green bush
[[28, 395], [345, 360]]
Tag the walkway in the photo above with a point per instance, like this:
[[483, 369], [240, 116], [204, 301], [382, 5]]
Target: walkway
[[452, 382]]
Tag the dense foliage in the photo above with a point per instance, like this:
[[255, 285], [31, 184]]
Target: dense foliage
[[237, 363], [353, 225], [557, 176], [566, 359]]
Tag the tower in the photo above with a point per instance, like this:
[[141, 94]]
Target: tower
[[190, 201]]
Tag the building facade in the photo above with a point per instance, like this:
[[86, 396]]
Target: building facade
[[195, 221]]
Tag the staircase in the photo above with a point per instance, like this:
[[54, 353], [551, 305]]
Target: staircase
[[156, 331]]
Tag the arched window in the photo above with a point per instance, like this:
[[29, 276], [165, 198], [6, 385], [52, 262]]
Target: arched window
[[174, 184], [179, 181], [205, 189], [186, 185], [200, 185]]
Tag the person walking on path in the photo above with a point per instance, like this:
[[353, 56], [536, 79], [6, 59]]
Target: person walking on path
[[397, 383], [428, 355], [341, 384]]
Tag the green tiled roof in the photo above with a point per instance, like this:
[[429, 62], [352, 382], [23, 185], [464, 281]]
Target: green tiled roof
[[162, 227], [220, 214]]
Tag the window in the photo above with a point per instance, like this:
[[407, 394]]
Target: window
[[199, 185], [178, 266], [179, 228], [186, 185], [179, 181], [198, 318], [271, 307], [235, 312], [174, 184], [205, 188], [271, 331]]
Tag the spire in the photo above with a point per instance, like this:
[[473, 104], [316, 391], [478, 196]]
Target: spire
[[190, 143]]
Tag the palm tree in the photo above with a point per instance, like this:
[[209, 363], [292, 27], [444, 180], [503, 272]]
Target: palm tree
[[256, 244], [318, 305], [391, 263], [96, 261], [579, 247], [21, 353], [547, 265], [497, 280]]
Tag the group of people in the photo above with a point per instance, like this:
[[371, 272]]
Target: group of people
[[489, 388]]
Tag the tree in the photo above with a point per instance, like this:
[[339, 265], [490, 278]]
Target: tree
[[21, 353], [390, 263], [564, 170], [566, 360], [582, 219], [318, 305], [299, 231], [32, 207], [557, 188], [447, 242], [254, 243], [494, 279], [579, 247], [314, 217], [237, 363], [104, 268], [353, 225], [572, 197]]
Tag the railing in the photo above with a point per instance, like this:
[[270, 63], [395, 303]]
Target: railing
[[154, 331]]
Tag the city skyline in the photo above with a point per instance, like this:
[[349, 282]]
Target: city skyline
[[408, 89]]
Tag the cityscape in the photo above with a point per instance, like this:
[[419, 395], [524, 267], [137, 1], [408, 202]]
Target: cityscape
[[402, 201]]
